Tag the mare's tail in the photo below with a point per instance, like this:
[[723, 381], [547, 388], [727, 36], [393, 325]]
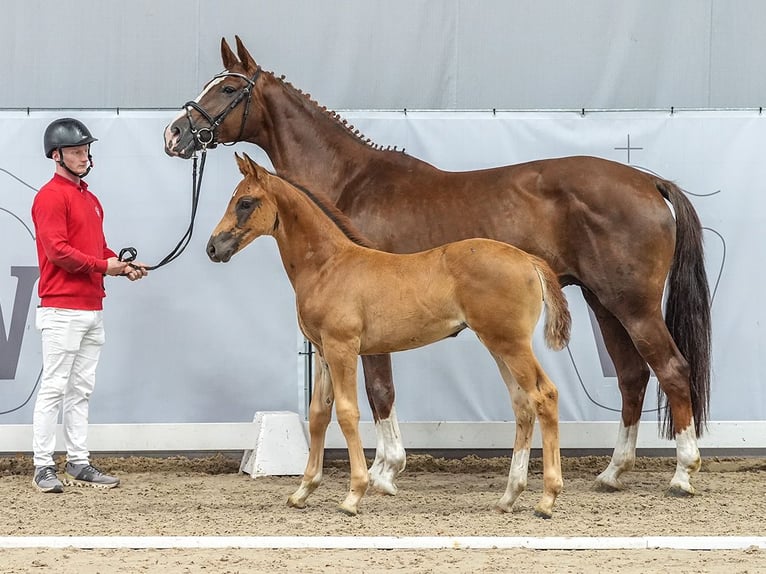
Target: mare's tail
[[557, 318], [687, 308]]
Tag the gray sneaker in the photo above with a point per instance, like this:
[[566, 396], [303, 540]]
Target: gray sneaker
[[46, 480], [88, 475]]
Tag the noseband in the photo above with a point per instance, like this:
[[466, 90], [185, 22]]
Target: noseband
[[206, 136]]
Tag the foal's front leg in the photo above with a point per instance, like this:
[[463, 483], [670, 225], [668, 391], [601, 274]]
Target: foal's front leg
[[320, 413], [341, 358]]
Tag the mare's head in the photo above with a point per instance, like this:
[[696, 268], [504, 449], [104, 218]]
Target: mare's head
[[221, 112], [251, 212]]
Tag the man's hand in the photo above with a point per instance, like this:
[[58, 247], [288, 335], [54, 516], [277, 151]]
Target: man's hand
[[115, 267], [136, 270], [132, 270]]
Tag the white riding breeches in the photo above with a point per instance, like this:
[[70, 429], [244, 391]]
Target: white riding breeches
[[71, 345]]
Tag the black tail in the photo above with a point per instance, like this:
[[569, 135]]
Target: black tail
[[687, 309]]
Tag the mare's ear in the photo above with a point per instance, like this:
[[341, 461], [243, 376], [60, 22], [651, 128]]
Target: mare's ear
[[243, 164], [228, 57], [244, 56]]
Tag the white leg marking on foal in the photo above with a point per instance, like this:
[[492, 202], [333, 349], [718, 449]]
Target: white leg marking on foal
[[517, 480], [623, 457]]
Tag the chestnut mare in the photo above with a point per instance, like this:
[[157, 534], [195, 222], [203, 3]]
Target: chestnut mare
[[601, 225], [354, 300]]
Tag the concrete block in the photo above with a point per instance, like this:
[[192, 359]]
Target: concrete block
[[280, 445]]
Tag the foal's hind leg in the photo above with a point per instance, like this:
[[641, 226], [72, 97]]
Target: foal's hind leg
[[320, 413], [632, 378], [390, 456], [525, 424], [543, 397]]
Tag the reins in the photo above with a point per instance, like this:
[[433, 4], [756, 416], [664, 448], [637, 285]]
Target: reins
[[205, 138], [128, 254]]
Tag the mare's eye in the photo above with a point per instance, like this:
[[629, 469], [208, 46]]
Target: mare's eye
[[229, 89]]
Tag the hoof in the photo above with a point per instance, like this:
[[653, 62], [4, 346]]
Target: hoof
[[544, 514], [384, 487], [601, 486], [295, 503], [501, 509], [678, 491], [347, 511]]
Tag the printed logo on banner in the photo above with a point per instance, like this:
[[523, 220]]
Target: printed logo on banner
[[18, 277]]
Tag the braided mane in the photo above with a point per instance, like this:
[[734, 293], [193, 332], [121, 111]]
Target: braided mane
[[335, 116]]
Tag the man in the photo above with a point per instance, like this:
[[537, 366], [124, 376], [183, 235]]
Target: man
[[73, 259]]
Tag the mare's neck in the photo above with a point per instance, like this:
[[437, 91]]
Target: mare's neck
[[305, 143]]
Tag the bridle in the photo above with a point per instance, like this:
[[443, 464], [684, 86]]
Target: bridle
[[205, 138]]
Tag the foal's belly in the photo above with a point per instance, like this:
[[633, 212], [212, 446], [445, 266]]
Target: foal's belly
[[404, 333]]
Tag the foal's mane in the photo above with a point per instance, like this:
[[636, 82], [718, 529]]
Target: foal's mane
[[340, 220]]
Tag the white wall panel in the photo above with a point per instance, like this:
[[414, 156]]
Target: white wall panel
[[198, 342]]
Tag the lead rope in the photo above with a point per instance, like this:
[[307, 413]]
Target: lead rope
[[128, 254]]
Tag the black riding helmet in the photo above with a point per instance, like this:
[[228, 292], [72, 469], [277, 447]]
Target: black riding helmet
[[67, 132]]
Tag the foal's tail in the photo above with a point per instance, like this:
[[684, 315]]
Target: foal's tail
[[557, 318], [687, 308]]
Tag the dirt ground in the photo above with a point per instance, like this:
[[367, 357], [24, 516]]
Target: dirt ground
[[179, 496]]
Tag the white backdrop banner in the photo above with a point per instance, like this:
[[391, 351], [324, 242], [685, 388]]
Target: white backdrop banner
[[200, 342]]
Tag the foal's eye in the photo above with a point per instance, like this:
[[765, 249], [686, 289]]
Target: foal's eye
[[229, 89], [247, 203]]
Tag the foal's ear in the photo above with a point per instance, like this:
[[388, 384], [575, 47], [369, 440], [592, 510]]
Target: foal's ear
[[254, 169], [244, 164], [245, 56], [227, 56]]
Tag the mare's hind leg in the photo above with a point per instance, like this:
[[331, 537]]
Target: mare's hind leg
[[655, 344], [390, 456], [632, 378], [320, 414], [651, 338], [525, 424]]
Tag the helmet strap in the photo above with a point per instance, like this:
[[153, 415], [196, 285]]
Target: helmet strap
[[66, 167]]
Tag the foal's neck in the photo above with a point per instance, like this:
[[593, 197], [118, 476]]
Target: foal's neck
[[307, 238]]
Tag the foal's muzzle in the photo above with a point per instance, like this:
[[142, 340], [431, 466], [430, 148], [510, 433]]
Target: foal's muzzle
[[221, 247]]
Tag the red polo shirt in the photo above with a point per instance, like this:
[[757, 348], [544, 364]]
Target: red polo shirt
[[71, 248]]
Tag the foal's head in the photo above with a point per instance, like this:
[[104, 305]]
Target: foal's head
[[251, 213]]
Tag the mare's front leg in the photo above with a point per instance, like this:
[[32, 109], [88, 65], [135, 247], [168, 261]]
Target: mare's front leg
[[390, 456], [341, 357], [320, 414]]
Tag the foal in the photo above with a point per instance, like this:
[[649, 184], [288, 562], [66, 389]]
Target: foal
[[353, 300]]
